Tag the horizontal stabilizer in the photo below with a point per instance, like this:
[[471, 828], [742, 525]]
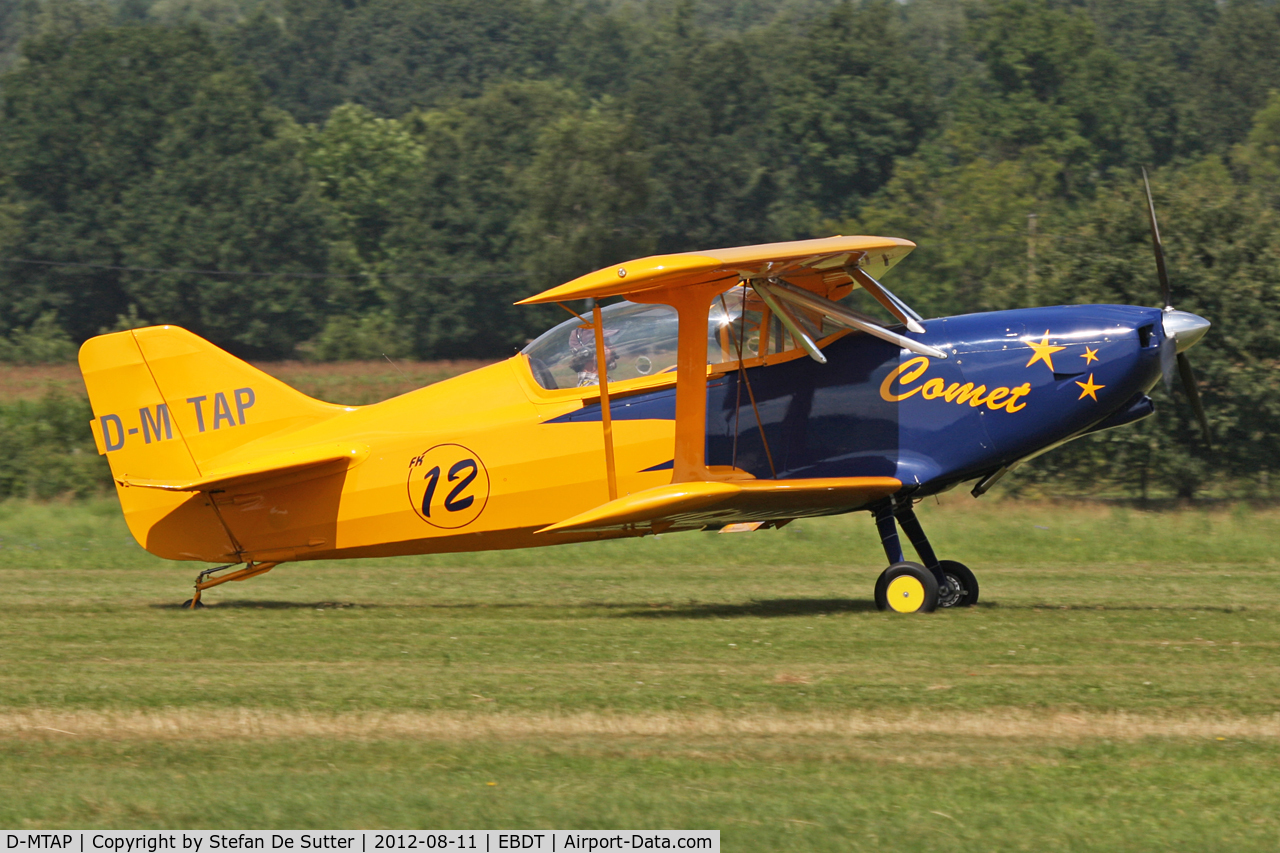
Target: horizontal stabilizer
[[695, 505], [265, 468]]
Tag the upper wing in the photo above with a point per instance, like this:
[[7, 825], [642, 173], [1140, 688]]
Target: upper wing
[[816, 265]]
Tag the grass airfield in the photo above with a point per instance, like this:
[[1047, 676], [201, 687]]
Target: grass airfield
[[1117, 689]]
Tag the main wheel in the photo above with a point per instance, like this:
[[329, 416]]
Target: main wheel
[[186, 605], [961, 588], [907, 588]]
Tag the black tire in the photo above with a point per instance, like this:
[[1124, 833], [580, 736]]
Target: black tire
[[186, 605], [915, 592], [962, 585]]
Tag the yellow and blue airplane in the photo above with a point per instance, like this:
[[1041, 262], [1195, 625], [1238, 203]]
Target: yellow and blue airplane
[[743, 391]]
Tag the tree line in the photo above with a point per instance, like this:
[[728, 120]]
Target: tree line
[[348, 178]]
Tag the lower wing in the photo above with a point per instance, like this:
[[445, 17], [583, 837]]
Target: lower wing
[[696, 505]]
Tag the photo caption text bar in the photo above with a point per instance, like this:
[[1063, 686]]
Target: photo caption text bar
[[358, 841]]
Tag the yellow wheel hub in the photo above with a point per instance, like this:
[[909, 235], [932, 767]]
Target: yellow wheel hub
[[905, 594]]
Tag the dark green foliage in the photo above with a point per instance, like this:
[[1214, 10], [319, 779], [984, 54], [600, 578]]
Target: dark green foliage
[[45, 342], [394, 55], [456, 259], [848, 100], [1236, 68], [1222, 243], [353, 178], [46, 450], [585, 196], [350, 337], [143, 147], [704, 113], [296, 62]]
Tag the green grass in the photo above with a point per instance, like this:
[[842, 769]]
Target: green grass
[[762, 796], [1090, 615]]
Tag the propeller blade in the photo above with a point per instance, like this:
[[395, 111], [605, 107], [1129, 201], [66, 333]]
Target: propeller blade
[[1165, 292], [1182, 330], [1193, 394], [1168, 362]]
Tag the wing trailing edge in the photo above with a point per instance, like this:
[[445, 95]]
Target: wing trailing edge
[[695, 505]]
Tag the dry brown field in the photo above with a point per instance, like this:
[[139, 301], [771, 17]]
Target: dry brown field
[[350, 382]]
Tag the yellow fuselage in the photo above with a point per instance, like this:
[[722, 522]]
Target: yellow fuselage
[[527, 474]]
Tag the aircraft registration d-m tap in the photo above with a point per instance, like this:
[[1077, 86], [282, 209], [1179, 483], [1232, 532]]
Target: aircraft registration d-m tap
[[742, 391]]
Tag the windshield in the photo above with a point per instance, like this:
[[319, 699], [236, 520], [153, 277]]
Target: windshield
[[640, 340]]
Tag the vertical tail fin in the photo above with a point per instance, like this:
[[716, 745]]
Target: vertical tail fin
[[169, 405]]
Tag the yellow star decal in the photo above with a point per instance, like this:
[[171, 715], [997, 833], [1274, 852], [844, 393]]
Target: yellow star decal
[[1090, 355], [1044, 352], [1088, 389]]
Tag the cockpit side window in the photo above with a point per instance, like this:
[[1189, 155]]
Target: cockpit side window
[[762, 334]]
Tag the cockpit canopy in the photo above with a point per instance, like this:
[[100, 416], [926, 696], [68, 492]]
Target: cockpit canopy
[[640, 340]]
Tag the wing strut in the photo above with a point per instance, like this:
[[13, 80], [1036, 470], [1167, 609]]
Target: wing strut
[[606, 415], [849, 319], [788, 319], [743, 379], [892, 304]]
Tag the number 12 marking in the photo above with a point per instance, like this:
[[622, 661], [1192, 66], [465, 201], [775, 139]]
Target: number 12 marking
[[452, 503]]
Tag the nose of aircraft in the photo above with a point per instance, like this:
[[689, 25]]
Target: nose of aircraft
[[1184, 327]]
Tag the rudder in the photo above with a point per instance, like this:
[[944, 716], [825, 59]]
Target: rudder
[[169, 405]]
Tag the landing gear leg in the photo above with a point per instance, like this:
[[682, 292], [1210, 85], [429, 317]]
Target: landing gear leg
[[957, 587], [888, 529], [903, 587], [206, 579]]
